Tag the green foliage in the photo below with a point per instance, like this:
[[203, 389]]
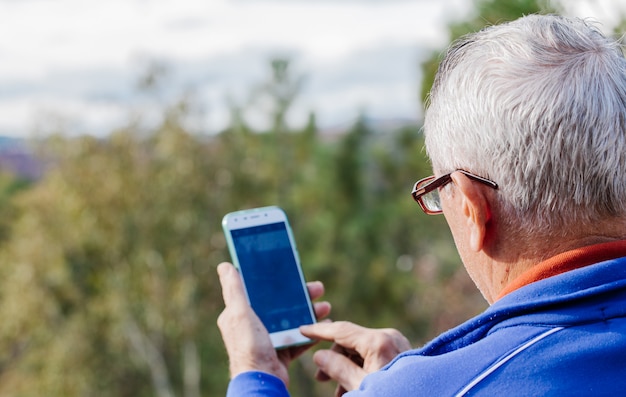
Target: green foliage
[[105, 268], [10, 186]]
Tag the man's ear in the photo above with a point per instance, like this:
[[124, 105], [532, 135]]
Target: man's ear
[[475, 209]]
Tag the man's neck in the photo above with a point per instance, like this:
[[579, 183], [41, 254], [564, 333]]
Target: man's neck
[[567, 261], [520, 255]]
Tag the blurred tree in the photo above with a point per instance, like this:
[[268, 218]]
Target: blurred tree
[[116, 248], [10, 186]]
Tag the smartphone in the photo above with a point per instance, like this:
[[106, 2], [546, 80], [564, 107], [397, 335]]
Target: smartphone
[[262, 248]]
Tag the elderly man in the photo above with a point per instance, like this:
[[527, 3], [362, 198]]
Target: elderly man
[[526, 130]]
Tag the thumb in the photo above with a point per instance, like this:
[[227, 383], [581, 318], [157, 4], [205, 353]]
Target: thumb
[[232, 287], [340, 368]]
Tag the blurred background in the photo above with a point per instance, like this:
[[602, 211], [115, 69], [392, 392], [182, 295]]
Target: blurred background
[[128, 128]]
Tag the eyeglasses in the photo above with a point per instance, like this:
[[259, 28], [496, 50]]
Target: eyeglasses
[[426, 191]]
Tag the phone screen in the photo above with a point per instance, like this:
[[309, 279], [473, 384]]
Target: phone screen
[[271, 275]]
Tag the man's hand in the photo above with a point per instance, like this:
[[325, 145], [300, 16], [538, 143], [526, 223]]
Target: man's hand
[[246, 339], [356, 351]]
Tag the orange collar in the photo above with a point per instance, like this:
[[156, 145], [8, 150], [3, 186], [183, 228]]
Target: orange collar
[[566, 261]]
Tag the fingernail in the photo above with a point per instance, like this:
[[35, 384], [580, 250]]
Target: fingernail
[[223, 268], [320, 357]]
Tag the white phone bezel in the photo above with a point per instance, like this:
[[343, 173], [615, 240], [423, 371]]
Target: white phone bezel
[[257, 217]]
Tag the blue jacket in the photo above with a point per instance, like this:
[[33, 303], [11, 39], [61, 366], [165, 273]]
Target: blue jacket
[[562, 336]]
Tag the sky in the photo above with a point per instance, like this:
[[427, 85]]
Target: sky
[[76, 65]]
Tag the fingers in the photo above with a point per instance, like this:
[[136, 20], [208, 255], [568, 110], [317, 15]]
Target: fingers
[[336, 366], [343, 362], [321, 309], [232, 286], [340, 391], [384, 344], [246, 340], [357, 350], [338, 331], [237, 313], [316, 289], [354, 356]]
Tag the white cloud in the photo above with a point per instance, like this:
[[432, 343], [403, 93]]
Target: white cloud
[[79, 33], [81, 59], [607, 12]]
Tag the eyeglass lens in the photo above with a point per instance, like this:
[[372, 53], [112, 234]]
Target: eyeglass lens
[[431, 200]]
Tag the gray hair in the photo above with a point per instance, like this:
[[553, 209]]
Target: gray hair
[[538, 105]]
